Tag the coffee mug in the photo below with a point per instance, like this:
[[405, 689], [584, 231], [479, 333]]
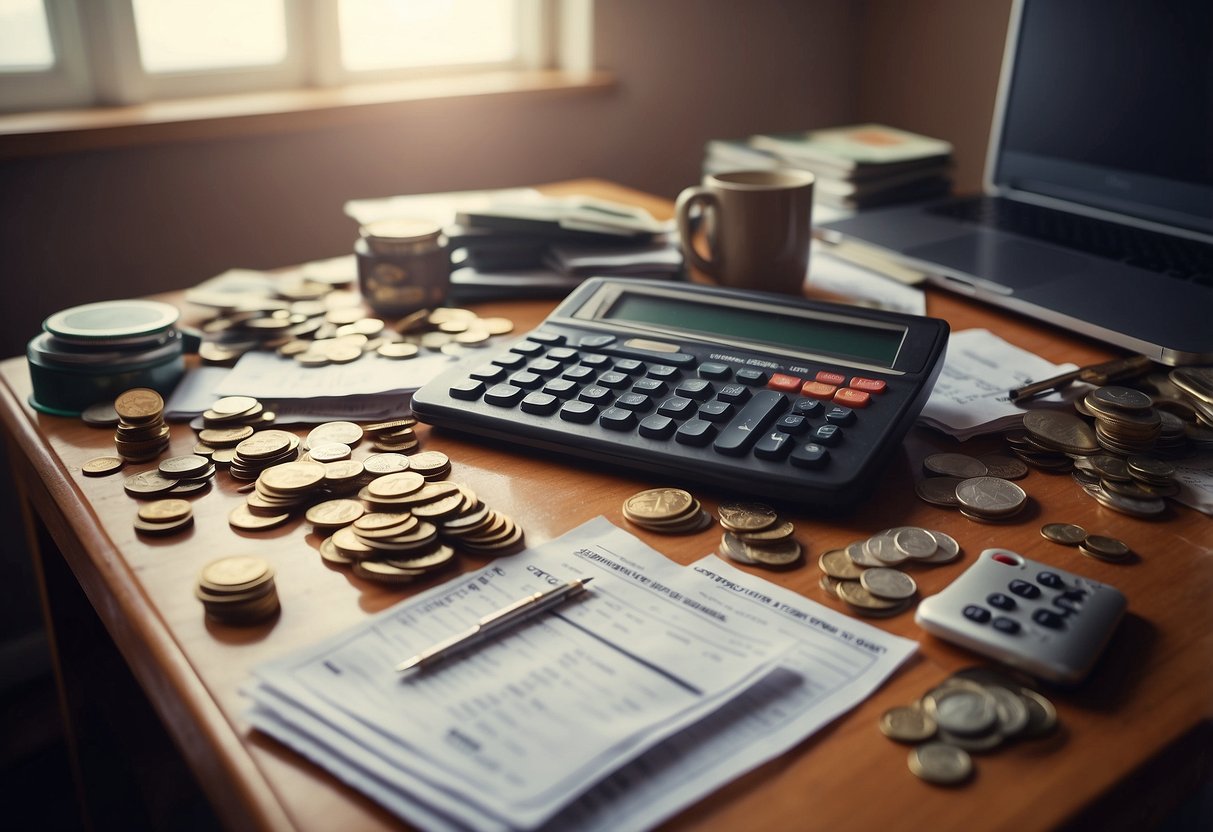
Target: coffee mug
[[758, 228]]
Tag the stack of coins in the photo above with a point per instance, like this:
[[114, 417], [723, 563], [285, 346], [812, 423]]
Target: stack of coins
[[391, 492], [667, 511], [236, 411], [1125, 419], [988, 492], [756, 535], [142, 434], [975, 710], [1137, 486], [393, 436], [219, 444], [238, 590], [191, 473], [279, 490], [863, 575], [480, 530], [261, 450], [990, 499], [344, 477], [164, 517], [1100, 547], [433, 465]]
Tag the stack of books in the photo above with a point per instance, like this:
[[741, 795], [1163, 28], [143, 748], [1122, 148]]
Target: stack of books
[[857, 167]]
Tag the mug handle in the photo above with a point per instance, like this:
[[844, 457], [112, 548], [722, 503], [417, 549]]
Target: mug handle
[[687, 200]]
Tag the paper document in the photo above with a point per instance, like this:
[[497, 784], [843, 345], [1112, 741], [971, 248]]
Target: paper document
[[830, 273], [605, 697], [971, 396]]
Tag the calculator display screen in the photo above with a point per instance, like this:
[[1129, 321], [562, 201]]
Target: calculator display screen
[[844, 339]]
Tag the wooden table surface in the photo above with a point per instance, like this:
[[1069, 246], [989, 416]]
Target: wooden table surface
[[1151, 693]]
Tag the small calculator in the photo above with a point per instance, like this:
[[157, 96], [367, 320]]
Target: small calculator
[[757, 394], [1029, 615]]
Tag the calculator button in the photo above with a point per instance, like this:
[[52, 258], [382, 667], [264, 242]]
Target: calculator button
[[810, 455], [695, 388], [650, 346], [828, 435], [634, 402], [868, 385], [852, 398], [613, 380], [650, 387], [751, 377], [837, 415], [578, 411], [695, 432], [792, 423], [750, 422], [1050, 619], [629, 365], [974, 613], [735, 393], [681, 359], [543, 366], [1067, 605], [1050, 579], [528, 348], [775, 445], [818, 390], [664, 372], [677, 407], [488, 373], [578, 373], [1007, 626], [546, 337], [1000, 600], [510, 360], [541, 404], [715, 411], [656, 426], [826, 377], [596, 395], [562, 354], [1024, 589], [594, 360], [806, 407], [561, 388], [469, 389], [786, 383], [715, 370], [504, 395], [616, 418], [594, 342], [526, 379]]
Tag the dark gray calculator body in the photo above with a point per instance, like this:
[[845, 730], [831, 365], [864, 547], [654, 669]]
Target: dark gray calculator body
[[761, 395]]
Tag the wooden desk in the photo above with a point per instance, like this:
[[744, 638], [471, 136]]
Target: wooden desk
[[1135, 736]]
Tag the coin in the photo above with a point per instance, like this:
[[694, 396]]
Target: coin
[[139, 405], [164, 511], [1150, 469], [398, 350], [234, 405], [948, 551], [915, 542], [658, 504], [100, 415], [328, 551], [747, 517], [1067, 534], [942, 764], [784, 552], [183, 467], [965, 710], [1105, 548], [1060, 430], [147, 483], [430, 464], [961, 466], [731, 547], [292, 478], [865, 602], [1123, 398], [991, 497], [347, 433], [386, 463], [779, 531], [907, 723], [837, 564], [890, 584], [939, 491], [1004, 467], [163, 528], [233, 574], [329, 452], [333, 514], [243, 519], [394, 486], [225, 437], [102, 466]]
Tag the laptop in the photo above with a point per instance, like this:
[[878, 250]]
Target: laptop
[[1097, 211]]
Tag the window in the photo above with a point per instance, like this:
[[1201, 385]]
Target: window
[[56, 53]]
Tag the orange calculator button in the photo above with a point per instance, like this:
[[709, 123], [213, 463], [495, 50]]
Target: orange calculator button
[[871, 385], [818, 390], [826, 377], [783, 383], [852, 398]]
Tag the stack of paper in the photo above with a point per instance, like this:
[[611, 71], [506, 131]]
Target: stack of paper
[[593, 716]]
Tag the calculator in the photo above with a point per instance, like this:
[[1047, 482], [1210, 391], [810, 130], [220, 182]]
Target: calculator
[[763, 395]]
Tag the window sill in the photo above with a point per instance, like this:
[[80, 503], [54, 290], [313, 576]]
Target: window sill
[[98, 128]]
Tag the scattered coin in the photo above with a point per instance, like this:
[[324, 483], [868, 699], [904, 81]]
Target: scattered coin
[[907, 723], [666, 510], [1103, 547], [990, 498], [102, 466], [1067, 534], [890, 584]]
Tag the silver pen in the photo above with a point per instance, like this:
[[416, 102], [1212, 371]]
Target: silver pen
[[494, 623]]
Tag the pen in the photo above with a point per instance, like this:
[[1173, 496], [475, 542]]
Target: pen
[[494, 623]]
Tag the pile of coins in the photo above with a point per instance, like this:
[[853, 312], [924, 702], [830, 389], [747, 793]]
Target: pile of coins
[[191, 473], [234, 412], [164, 517], [238, 590], [1098, 546], [1126, 421], [263, 449], [980, 488], [1136, 486], [142, 434], [278, 491], [863, 575], [666, 511], [393, 436], [754, 534], [975, 710]]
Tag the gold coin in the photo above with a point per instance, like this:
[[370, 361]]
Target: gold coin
[[746, 517], [347, 433], [907, 723], [385, 572], [164, 511], [857, 596], [658, 504], [244, 519], [779, 531], [139, 405], [334, 513], [496, 326], [165, 528], [774, 553], [429, 462], [235, 574], [396, 486], [942, 764], [102, 465], [225, 437], [290, 478], [1107, 548], [1067, 534], [837, 564], [266, 444], [349, 545], [234, 405]]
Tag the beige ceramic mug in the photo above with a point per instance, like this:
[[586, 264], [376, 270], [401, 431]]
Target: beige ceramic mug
[[758, 228]]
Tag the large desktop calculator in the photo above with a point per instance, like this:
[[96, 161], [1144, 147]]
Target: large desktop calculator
[[759, 395]]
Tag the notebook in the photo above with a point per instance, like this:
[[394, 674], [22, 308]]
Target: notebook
[[1097, 211]]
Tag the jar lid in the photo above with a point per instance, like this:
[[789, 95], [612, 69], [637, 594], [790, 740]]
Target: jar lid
[[401, 230], [115, 322]]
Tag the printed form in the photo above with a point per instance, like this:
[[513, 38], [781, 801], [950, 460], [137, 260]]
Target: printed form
[[592, 715]]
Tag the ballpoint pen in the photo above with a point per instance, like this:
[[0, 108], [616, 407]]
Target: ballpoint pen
[[494, 623]]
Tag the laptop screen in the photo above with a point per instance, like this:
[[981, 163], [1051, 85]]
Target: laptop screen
[[1110, 104]]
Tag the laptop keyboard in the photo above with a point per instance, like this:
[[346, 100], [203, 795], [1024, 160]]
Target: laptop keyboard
[[1174, 256]]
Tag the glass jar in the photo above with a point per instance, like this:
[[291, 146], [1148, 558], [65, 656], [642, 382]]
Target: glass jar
[[403, 266]]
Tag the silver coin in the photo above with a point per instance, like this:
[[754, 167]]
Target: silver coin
[[948, 551], [892, 584], [1124, 398], [940, 763], [859, 556], [961, 466], [991, 496], [965, 710], [916, 543], [884, 550]]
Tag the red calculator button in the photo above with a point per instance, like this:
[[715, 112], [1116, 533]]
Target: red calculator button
[[826, 377], [781, 382], [852, 398], [871, 385], [818, 390]]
